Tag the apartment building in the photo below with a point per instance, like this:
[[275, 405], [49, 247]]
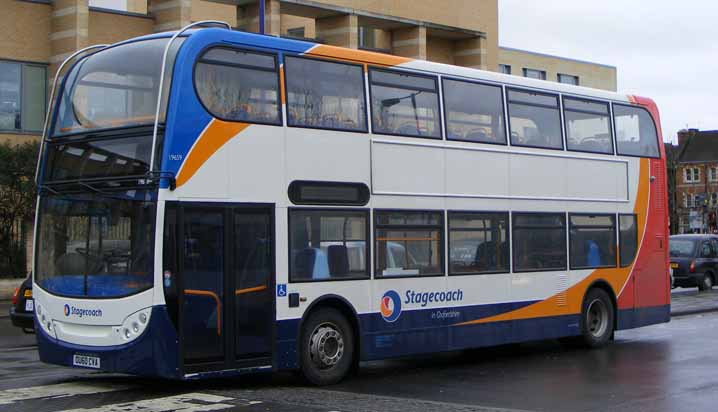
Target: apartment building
[[36, 35], [696, 181]]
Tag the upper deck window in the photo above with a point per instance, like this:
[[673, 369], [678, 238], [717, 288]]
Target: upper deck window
[[324, 94], [404, 104], [588, 126], [635, 131], [474, 112], [534, 119], [116, 87], [237, 85]]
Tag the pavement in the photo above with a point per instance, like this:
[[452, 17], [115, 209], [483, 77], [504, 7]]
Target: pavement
[[691, 301]]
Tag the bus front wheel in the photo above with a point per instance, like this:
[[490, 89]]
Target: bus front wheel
[[597, 318], [327, 347]]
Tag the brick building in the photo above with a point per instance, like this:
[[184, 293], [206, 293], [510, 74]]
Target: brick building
[[696, 181]]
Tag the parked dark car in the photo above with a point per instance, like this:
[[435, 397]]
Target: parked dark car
[[23, 307], [694, 260]]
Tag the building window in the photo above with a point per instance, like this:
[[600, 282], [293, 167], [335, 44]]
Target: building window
[[478, 243], [240, 86], [474, 112], [592, 241], [327, 244], [535, 74], [296, 32], [324, 94], [713, 174], [23, 89], [367, 38], [409, 243], [692, 175], [568, 79], [539, 241], [505, 68]]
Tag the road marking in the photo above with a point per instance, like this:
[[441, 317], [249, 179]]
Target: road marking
[[189, 402], [61, 390]]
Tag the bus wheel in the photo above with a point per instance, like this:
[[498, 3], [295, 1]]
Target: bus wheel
[[327, 347], [597, 318]]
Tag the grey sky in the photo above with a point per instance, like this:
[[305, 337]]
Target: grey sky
[[664, 49]]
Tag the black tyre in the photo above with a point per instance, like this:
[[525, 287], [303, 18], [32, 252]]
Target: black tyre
[[597, 318], [326, 347], [707, 283]]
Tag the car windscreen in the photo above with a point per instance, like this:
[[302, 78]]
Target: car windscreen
[[682, 247]]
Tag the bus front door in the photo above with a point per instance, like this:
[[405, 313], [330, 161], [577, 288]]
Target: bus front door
[[226, 304]]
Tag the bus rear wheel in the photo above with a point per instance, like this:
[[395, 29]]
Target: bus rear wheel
[[597, 318], [327, 347]]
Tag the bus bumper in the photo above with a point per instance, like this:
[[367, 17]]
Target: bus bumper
[[152, 354]]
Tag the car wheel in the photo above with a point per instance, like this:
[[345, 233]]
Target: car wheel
[[707, 283], [597, 318], [327, 347]]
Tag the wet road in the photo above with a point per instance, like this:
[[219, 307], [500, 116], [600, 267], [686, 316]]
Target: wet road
[[670, 367]]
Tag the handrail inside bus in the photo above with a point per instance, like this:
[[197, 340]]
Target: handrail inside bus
[[217, 302], [162, 77], [50, 105]]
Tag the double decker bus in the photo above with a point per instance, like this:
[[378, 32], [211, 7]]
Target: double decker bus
[[215, 202]]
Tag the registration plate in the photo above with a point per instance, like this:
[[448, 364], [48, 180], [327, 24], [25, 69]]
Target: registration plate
[[29, 305], [674, 265], [86, 361]]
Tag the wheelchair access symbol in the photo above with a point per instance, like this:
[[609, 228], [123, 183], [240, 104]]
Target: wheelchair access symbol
[[282, 290]]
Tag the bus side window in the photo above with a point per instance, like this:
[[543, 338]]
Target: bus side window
[[237, 85], [628, 238], [534, 119], [635, 131], [474, 112], [588, 126], [592, 241], [324, 94]]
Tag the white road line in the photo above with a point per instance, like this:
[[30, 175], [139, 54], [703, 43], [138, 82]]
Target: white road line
[[189, 402], [61, 390]]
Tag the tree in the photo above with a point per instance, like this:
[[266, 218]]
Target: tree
[[17, 203]]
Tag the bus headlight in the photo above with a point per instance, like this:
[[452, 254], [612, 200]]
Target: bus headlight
[[135, 324]]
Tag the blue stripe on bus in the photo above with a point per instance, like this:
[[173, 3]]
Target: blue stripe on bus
[[152, 354]]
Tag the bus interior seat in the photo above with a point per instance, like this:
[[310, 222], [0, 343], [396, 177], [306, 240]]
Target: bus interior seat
[[311, 263], [338, 257]]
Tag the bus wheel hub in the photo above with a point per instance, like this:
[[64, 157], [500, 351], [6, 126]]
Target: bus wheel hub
[[326, 346]]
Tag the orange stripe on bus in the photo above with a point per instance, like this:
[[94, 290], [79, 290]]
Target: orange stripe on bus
[[341, 53], [214, 136], [616, 277], [281, 84], [249, 290], [217, 302]]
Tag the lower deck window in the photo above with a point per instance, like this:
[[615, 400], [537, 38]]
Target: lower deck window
[[409, 243], [478, 243], [593, 241], [327, 244], [539, 241], [628, 237]]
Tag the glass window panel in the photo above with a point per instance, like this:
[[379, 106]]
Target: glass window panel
[[628, 238], [593, 241], [635, 131], [505, 68], [588, 126], [10, 96], [409, 244], [568, 79], [328, 245], [539, 242], [535, 74], [478, 243], [240, 57], [34, 80], [535, 126], [474, 112], [325, 94], [409, 106]]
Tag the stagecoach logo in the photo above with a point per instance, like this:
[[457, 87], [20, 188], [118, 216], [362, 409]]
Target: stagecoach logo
[[390, 306], [79, 312]]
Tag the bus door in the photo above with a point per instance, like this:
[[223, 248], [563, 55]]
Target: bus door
[[226, 304]]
